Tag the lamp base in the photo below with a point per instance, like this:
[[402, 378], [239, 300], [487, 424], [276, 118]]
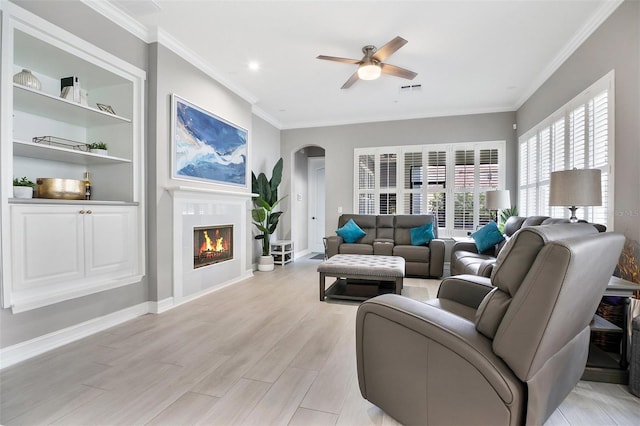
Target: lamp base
[[573, 218]]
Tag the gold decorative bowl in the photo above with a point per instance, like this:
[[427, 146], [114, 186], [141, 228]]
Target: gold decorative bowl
[[65, 189]]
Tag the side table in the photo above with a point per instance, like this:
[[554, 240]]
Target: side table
[[282, 251], [601, 366]]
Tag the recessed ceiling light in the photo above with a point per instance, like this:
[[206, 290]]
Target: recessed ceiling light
[[254, 65]]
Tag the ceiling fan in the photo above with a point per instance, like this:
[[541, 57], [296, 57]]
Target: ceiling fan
[[371, 65]]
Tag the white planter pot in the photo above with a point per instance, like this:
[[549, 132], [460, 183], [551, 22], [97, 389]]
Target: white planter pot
[[22, 192], [265, 263], [99, 151]]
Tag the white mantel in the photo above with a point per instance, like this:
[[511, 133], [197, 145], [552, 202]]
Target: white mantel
[[193, 207]]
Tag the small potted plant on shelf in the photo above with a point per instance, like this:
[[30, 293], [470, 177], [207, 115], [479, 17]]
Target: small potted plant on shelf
[[22, 188], [264, 217], [99, 148]]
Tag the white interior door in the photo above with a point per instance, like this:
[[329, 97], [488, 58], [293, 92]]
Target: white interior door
[[316, 204]]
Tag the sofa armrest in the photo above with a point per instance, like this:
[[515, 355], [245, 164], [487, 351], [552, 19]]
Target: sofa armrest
[[464, 246], [397, 364], [486, 267], [468, 290], [383, 247], [333, 245], [436, 263]]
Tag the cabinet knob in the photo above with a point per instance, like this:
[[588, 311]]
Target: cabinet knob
[[89, 212], [82, 212]]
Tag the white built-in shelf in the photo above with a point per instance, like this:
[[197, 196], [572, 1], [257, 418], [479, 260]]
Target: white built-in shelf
[[54, 153], [70, 202], [56, 108]]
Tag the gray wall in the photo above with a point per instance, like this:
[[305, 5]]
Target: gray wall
[[614, 45], [169, 74], [14, 328], [265, 152], [340, 141]]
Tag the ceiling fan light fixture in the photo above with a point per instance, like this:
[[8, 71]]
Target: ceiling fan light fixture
[[369, 71]]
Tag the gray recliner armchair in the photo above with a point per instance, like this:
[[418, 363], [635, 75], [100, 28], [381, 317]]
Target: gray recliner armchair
[[504, 350]]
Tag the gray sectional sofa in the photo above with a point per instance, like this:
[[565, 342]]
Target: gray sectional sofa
[[389, 235], [465, 258]]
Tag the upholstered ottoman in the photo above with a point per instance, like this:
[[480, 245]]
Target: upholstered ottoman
[[360, 268]]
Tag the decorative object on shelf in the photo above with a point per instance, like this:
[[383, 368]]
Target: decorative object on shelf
[[22, 188], [106, 108], [61, 143], [56, 188], [264, 218], [205, 147], [99, 148], [87, 186], [25, 78], [577, 187], [74, 93]]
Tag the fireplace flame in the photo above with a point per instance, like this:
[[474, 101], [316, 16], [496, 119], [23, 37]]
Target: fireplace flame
[[211, 246]]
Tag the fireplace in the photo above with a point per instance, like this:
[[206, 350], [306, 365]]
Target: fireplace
[[212, 244]]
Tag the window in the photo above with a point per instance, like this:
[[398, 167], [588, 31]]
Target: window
[[448, 181], [576, 136]]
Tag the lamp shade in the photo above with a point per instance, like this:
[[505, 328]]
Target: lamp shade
[[577, 187], [498, 199]]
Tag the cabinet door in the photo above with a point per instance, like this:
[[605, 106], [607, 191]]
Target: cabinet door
[[111, 245], [47, 245]]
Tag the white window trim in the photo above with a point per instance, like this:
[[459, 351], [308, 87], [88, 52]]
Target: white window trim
[[444, 230], [607, 82]]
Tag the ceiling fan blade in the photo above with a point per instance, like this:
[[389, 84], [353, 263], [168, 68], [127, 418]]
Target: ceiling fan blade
[[336, 59], [354, 77], [389, 49], [398, 72]]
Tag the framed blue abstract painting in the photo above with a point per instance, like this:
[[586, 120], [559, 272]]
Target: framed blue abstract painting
[[206, 148]]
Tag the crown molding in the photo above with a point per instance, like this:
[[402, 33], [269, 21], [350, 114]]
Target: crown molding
[[377, 119], [601, 15], [259, 112], [197, 61], [120, 18]]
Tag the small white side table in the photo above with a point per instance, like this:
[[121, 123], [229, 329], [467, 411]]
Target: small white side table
[[282, 251]]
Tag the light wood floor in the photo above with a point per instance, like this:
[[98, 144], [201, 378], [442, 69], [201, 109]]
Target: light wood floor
[[261, 352]]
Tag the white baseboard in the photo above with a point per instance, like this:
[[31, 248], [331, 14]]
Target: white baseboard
[[299, 254], [24, 350], [161, 305], [244, 276]]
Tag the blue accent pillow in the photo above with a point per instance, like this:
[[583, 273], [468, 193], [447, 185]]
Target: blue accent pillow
[[422, 234], [487, 237], [351, 232]]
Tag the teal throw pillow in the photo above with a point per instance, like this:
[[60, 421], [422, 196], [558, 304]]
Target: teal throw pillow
[[351, 232], [487, 237], [422, 234]]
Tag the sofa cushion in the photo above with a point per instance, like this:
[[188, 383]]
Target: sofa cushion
[[384, 227], [404, 222], [366, 222], [412, 253], [421, 235], [356, 248], [351, 232], [487, 236]]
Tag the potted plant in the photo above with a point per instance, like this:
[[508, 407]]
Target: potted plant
[[506, 214], [23, 188], [99, 148], [264, 217]]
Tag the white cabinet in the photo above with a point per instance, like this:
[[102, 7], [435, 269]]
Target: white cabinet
[[60, 252], [54, 250]]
